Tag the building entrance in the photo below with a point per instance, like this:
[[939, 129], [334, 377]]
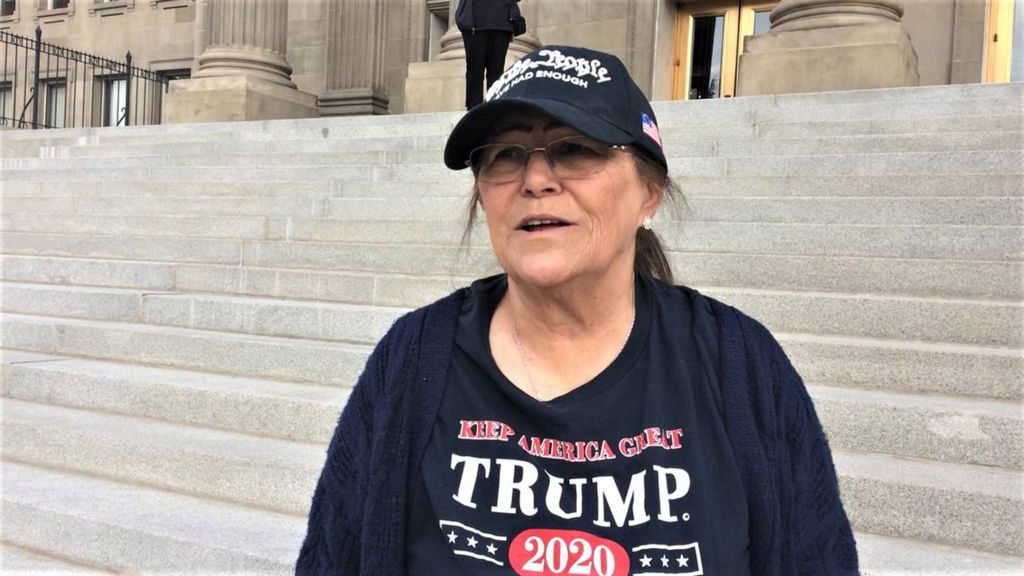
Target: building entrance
[[1004, 44], [708, 44]]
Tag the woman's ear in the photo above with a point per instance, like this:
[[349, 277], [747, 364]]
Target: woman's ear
[[655, 193]]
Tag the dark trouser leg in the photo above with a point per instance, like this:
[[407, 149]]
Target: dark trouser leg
[[476, 48], [497, 47]]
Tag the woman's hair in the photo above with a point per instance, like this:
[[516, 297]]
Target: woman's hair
[[649, 257]]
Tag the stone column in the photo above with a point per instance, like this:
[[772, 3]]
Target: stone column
[[246, 37], [355, 85], [440, 85], [823, 45], [242, 73]]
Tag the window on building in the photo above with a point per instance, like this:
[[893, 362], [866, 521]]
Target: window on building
[[6, 104], [762, 21], [56, 4], [706, 68], [182, 74], [437, 25], [115, 101], [7, 7], [710, 38], [1017, 53], [56, 102]]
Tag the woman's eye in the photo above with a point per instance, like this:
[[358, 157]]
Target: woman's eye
[[508, 153], [574, 150]]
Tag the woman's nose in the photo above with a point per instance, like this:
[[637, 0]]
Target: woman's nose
[[539, 175]]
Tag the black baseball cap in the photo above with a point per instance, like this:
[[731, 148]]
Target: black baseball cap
[[589, 91]]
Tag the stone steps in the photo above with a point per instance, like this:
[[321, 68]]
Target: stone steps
[[92, 516], [967, 210], [997, 120], [907, 367], [280, 475], [968, 278], [138, 188], [973, 322], [1009, 185], [422, 150], [967, 162], [975, 507], [21, 561], [386, 289], [857, 106], [950, 429], [130, 528], [939, 368], [896, 211], [186, 308], [691, 138], [246, 405], [942, 428], [259, 472], [278, 358], [881, 556], [700, 122], [894, 240]]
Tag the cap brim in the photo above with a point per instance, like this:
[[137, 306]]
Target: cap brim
[[477, 124]]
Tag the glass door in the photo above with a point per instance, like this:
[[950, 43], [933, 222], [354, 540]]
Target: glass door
[[709, 41]]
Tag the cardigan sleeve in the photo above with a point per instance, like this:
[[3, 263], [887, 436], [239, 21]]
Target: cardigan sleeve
[[332, 543], [816, 525]]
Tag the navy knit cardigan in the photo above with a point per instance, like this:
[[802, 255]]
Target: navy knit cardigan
[[358, 517]]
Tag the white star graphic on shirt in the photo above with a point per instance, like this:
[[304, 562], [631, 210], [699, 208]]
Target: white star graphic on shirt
[[471, 542], [664, 561], [491, 548], [683, 560], [451, 537], [645, 562]]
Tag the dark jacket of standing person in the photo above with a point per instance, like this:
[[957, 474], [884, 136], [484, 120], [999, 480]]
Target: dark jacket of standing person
[[484, 15]]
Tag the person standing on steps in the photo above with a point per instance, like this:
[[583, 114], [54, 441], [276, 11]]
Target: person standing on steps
[[486, 28]]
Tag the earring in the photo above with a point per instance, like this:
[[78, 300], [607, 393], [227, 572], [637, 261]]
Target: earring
[[647, 223]]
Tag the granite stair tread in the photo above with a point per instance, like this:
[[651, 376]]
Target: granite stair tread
[[260, 472], [122, 527]]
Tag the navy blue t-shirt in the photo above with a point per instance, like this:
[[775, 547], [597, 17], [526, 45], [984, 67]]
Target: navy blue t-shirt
[[628, 474]]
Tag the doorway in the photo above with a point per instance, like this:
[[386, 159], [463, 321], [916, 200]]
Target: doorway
[[709, 41], [1003, 59]]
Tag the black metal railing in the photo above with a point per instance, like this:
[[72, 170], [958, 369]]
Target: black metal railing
[[49, 86]]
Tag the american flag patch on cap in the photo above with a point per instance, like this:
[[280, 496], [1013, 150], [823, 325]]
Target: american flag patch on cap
[[651, 129]]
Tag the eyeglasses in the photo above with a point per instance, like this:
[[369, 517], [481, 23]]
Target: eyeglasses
[[569, 157]]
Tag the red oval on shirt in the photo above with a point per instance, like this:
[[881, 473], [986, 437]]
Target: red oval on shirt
[[556, 552]]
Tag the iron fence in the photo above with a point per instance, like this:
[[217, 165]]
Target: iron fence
[[49, 86]]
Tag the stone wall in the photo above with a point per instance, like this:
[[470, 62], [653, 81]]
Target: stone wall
[[946, 34], [930, 25], [307, 44], [159, 34]]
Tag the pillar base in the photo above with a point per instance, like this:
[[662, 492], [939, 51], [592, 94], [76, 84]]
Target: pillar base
[[438, 86], [353, 102], [858, 57], [234, 99]]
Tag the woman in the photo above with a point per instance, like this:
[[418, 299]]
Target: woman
[[577, 414]]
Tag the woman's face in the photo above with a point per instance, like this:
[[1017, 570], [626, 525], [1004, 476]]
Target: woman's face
[[597, 215]]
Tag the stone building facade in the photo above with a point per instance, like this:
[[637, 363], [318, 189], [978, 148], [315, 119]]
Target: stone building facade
[[398, 56]]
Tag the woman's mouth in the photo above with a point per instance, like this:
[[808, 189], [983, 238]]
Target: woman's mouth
[[538, 225]]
